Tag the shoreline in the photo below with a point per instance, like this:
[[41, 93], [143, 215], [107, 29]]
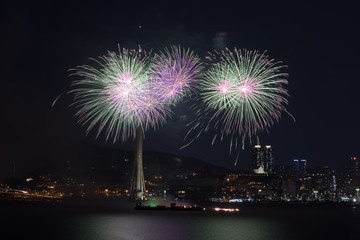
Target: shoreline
[[127, 204]]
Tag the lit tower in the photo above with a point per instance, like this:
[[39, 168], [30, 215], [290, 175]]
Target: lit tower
[[137, 188]]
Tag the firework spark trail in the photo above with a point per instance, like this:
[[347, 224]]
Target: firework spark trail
[[242, 93], [118, 97], [131, 90], [178, 70]]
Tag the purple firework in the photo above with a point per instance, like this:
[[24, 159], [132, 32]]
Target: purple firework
[[176, 72]]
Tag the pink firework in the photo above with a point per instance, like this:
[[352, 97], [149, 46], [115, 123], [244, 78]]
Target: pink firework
[[119, 98], [242, 93]]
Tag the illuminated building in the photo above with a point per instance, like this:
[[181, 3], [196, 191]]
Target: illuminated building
[[257, 160], [296, 165], [334, 185], [299, 167], [302, 167], [354, 171], [262, 159], [268, 159]]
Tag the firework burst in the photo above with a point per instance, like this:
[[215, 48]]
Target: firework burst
[[118, 98], [176, 70], [133, 90], [242, 93]]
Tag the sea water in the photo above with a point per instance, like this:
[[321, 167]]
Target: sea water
[[90, 223]]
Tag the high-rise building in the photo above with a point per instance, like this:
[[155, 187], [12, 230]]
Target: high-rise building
[[268, 159], [262, 159], [299, 167], [302, 167], [354, 171], [333, 183], [257, 163], [296, 166]]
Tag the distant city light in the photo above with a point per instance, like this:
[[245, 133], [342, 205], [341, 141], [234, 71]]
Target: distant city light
[[226, 209]]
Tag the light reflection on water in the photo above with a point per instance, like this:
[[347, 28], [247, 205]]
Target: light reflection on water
[[150, 225], [254, 224]]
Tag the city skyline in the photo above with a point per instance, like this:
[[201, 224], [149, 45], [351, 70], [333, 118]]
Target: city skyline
[[168, 176], [318, 44]]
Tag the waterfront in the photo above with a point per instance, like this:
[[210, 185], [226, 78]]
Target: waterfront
[[256, 222]]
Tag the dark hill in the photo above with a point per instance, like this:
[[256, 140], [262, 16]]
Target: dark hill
[[111, 165]]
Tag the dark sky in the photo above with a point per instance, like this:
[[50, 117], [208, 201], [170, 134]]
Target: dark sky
[[318, 42]]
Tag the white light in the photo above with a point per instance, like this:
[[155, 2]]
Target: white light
[[224, 89]]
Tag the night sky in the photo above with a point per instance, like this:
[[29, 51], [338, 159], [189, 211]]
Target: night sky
[[42, 40]]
